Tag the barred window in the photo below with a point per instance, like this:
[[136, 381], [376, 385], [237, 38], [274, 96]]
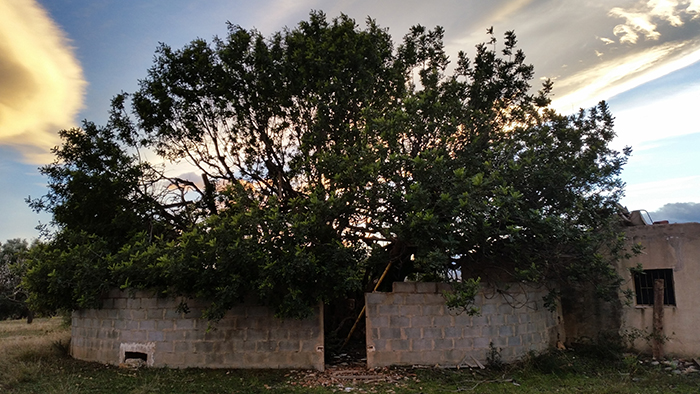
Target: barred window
[[644, 286]]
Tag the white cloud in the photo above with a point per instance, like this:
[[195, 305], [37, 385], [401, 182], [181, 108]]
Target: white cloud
[[41, 82], [653, 195]]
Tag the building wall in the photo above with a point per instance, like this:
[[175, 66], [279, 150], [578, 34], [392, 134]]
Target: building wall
[[249, 336], [413, 326], [676, 247]]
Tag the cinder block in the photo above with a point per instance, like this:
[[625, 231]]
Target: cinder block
[[420, 345], [184, 324], [389, 333], [409, 310], [421, 321], [203, 347], [289, 346], [138, 314], [397, 345], [164, 347], [156, 336], [375, 298], [414, 299], [432, 332], [434, 310], [381, 345], [444, 321], [512, 319], [411, 332], [443, 344], [426, 287], [488, 309], [133, 336], [388, 310], [506, 331], [182, 347], [133, 303], [464, 343], [461, 319], [514, 341], [497, 320], [169, 360], [147, 325], [404, 287], [524, 317], [399, 321], [490, 331], [149, 303], [505, 309], [132, 325], [256, 335], [481, 342], [452, 332], [444, 287], [378, 321]]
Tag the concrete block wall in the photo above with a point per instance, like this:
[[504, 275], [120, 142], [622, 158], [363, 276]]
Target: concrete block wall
[[413, 326], [249, 336]]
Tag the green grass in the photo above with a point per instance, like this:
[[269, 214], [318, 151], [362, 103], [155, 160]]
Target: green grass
[[33, 359]]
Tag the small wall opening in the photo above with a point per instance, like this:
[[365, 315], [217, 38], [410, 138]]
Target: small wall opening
[[136, 355]]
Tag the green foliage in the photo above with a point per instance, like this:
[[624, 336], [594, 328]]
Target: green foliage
[[326, 153], [13, 257]]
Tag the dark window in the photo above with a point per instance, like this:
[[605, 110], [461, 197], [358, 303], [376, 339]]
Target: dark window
[[644, 286], [136, 355]]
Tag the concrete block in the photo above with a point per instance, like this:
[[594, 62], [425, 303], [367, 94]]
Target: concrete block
[[382, 345], [410, 310], [133, 336], [266, 346], [414, 299], [132, 325], [461, 319], [434, 310], [524, 317], [164, 347], [149, 303], [156, 336], [147, 325], [512, 319], [421, 321], [203, 347], [257, 335], [379, 321], [388, 310], [444, 321], [184, 324], [165, 325], [169, 360], [481, 342], [443, 344], [505, 309], [506, 331], [133, 303], [411, 332], [399, 321], [420, 345], [182, 347], [514, 341], [108, 303], [488, 309], [404, 287], [432, 332], [120, 303], [389, 333], [444, 287], [289, 346], [464, 343], [375, 298], [490, 331], [497, 320], [426, 287], [138, 314], [395, 345], [452, 332]]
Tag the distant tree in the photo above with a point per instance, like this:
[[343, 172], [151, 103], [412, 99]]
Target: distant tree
[[13, 255], [327, 154]]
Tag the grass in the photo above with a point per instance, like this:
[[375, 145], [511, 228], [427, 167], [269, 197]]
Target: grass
[[33, 359]]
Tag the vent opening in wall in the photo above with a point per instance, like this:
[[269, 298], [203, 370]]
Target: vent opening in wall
[[136, 355]]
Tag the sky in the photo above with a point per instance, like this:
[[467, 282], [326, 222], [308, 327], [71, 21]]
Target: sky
[[61, 61]]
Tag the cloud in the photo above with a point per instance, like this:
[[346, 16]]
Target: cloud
[[644, 18], [680, 212], [653, 195], [41, 82]]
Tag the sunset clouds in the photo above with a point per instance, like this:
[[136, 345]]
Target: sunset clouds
[[41, 82]]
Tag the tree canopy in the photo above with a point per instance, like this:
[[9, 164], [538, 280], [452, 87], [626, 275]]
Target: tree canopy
[[327, 152]]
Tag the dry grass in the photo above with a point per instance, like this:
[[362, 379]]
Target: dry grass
[[26, 348]]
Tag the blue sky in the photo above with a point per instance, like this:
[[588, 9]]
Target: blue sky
[[61, 61]]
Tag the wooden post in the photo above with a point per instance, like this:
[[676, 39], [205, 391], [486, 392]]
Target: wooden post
[[657, 343]]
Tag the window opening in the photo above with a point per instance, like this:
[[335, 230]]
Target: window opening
[[136, 355], [644, 286]]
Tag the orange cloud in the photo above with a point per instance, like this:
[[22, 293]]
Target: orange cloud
[[41, 82]]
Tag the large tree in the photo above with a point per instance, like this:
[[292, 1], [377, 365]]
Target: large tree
[[328, 153]]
